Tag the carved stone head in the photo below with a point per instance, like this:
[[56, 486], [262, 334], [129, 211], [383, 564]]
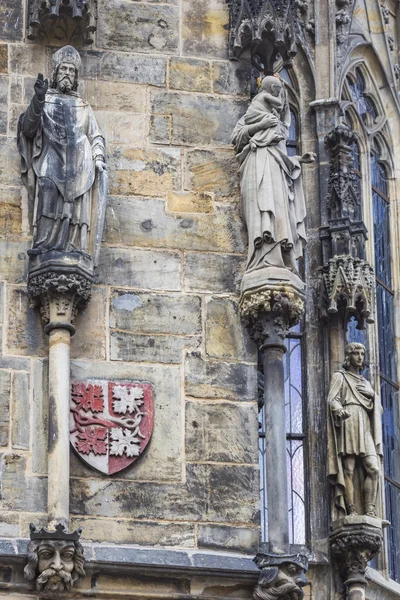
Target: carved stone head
[[271, 85], [66, 64], [354, 356], [283, 580], [54, 564]]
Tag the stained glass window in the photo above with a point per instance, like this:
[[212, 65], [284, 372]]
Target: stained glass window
[[387, 357], [365, 106]]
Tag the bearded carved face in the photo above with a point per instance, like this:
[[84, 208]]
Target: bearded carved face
[[55, 564], [66, 77], [281, 583]]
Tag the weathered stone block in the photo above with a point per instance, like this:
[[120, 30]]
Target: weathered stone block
[[10, 162], [207, 379], [135, 532], [110, 95], [143, 28], [239, 539], [3, 58], [2, 299], [143, 222], [212, 171], [25, 56], [16, 88], [3, 105], [144, 171], [20, 425], [10, 217], [189, 74], [159, 348], [231, 78], [5, 389], [9, 524], [143, 269], [20, 492], [11, 20], [199, 119], [234, 494], [160, 129], [213, 272], [162, 460], [13, 261], [25, 335], [90, 338], [205, 28], [120, 66], [226, 336], [155, 313], [143, 500], [191, 202], [221, 432], [122, 128], [40, 414]]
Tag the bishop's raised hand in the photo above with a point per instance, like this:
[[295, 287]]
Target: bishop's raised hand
[[41, 86]]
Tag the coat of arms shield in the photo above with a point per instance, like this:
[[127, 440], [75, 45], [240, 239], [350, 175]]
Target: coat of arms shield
[[111, 422]]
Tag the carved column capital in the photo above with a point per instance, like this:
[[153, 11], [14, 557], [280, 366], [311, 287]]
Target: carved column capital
[[49, 548], [269, 312], [353, 543], [60, 295], [282, 576]]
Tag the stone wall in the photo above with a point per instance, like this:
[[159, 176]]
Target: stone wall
[[165, 307]]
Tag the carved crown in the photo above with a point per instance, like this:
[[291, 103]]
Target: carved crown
[[60, 533]]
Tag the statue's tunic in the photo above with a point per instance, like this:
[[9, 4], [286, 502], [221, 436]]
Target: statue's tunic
[[273, 204], [59, 141], [358, 435]]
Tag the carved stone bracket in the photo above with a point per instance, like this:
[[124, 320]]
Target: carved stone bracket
[[270, 311], [60, 295], [347, 279], [354, 541], [282, 576], [268, 27], [343, 22], [66, 21], [348, 285], [55, 560]]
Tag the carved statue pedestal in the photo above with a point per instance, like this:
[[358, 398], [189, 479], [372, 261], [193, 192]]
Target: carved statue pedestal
[[269, 310], [354, 541], [60, 283]]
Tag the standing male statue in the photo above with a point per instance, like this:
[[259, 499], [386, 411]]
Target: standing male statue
[[354, 436], [273, 204], [61, 148]]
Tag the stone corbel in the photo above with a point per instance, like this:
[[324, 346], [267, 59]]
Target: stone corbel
[[281, 577], [269, 28], [55, 560], [354, 541], [76, 19]]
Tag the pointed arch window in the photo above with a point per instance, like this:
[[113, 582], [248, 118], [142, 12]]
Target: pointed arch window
[[389, 387], [365, 105]]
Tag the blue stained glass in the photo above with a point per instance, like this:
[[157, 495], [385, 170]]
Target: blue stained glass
[[363, 103], [383, 259], [387, 358], [284, 73]]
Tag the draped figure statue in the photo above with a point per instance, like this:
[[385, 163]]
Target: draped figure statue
[[61, 149], [273, 204]]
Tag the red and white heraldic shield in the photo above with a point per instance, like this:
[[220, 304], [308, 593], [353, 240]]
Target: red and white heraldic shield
[[111, 422]]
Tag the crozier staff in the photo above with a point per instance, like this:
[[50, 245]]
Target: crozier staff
[[61, 148]]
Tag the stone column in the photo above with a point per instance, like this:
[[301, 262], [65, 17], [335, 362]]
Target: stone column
[[269, 312], [59, 296]]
